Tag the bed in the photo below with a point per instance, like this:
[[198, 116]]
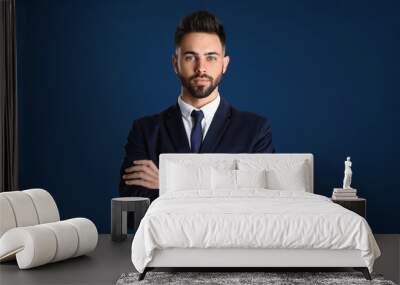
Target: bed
[[247, 210]]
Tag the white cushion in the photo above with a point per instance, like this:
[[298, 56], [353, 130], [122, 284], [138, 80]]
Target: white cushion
[[40, 244], [188, 177], [281, 174], [67, 238], [87, 235], [7, 218], [223, 179], [231, 180], [26, 208], [251, 178], [190, 172], [290, 179], [45, 205], [32, 246], [23, 208]]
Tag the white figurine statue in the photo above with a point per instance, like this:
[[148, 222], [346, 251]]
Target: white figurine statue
[[347, 174]]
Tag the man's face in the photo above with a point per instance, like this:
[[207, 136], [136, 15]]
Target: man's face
[[200, 63]]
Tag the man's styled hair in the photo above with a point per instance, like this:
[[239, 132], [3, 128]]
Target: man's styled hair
[[200, 22]]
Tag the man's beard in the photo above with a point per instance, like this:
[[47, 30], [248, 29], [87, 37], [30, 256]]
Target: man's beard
[[200, 92]]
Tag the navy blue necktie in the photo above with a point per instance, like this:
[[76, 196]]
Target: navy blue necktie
[[196, 136]]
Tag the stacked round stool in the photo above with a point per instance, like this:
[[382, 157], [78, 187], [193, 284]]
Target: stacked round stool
[[119, 209]]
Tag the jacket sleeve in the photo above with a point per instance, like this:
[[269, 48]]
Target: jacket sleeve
[[135, 149], [263, 142]]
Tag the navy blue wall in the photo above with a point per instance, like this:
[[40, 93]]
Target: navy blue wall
[[325, 72]]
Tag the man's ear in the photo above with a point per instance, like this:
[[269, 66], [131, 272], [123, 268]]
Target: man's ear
[[226, 60], [175, 63]]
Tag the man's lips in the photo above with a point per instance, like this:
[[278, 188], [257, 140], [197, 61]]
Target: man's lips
[[201, 81]]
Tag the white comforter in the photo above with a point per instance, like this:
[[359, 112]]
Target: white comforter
[[250, 219]]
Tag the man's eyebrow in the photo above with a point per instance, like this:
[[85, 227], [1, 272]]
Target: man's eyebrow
[[195, 53]]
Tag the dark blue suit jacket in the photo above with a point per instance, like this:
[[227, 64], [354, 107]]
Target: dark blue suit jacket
[[231, 131]]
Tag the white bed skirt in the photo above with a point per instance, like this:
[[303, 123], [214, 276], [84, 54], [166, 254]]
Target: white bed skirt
[[193, 257]]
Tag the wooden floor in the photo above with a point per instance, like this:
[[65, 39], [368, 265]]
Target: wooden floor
[[110, 260]]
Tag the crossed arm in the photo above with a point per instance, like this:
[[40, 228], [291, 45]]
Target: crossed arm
[[142, 173], [138, 171]]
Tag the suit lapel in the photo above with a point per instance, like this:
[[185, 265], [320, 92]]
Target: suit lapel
[[217, 128], [176, 130]]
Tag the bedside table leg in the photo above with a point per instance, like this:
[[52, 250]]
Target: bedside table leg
[[118, 222]]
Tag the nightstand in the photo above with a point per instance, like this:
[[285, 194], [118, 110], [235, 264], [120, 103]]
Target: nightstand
[[120, 207], [357, 205]]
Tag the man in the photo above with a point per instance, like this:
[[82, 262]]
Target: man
[[201, 121]]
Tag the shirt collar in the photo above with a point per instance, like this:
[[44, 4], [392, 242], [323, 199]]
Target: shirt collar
[[208, 109]]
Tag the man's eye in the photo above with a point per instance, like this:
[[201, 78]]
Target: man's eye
[[189, 58], [211, 58]]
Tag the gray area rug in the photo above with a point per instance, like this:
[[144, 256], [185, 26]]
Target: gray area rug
[[269, 278]]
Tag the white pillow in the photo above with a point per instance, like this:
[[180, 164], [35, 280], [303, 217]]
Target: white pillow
[[188, 177], [280, 174], [223, 179], [293, 179], [227, 179], [251, 178]]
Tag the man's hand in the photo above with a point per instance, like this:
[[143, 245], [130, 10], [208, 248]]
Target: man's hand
[[143, 173]]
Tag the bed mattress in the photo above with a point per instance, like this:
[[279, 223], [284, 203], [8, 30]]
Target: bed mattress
[[250, 219]]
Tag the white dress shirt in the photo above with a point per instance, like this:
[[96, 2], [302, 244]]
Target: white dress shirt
[[208, 111]]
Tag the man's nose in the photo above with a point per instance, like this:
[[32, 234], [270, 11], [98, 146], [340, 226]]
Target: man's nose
[[201, 66]]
